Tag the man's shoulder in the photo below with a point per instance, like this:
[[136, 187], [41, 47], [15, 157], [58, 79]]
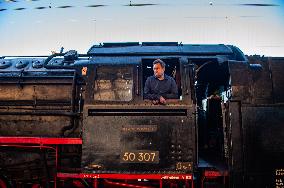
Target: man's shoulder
[[168, 77], [151, 77]]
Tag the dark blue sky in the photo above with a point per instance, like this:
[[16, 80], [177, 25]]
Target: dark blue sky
[[256, 27]]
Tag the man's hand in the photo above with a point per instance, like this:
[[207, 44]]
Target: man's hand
[[155, 102], [162, 100]]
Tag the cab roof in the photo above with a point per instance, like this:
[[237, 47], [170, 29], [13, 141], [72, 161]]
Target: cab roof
[[158, 48]]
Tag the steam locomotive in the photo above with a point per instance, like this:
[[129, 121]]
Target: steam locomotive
[[80, 120]]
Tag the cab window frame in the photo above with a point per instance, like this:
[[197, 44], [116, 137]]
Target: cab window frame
[[114, 67], [148, 62]]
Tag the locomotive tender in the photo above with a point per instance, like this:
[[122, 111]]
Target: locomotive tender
[[69, 118]]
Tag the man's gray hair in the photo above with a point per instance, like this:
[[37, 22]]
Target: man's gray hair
[[163, 64]]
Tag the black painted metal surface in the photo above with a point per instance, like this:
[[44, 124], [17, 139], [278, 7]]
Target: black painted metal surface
[[256, 127], [122, 143]]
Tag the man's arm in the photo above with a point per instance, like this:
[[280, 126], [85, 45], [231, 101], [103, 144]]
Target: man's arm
[[174, 90], [147, 94]]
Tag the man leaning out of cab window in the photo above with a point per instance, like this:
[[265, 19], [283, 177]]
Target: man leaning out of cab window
[[160, 86]]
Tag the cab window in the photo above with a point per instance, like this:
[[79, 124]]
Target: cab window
[[172, 69], [113, 83]]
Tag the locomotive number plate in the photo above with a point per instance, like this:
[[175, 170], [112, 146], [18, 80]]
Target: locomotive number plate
[[139, 156]]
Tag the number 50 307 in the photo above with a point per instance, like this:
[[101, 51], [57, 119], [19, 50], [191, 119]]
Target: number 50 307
[[139, 156]]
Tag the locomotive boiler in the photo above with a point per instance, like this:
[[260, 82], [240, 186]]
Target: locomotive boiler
[[81, 120]]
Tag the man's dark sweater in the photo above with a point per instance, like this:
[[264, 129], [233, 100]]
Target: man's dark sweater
[[155, 88]]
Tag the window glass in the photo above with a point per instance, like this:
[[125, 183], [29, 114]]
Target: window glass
[[113, 83]]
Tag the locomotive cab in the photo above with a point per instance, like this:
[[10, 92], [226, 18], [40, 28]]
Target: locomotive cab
[[125, 132]]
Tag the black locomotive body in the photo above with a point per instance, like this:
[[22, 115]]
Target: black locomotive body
[[124, 133], [228, 117]]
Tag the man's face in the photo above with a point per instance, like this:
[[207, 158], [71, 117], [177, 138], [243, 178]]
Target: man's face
[[158, 70]]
